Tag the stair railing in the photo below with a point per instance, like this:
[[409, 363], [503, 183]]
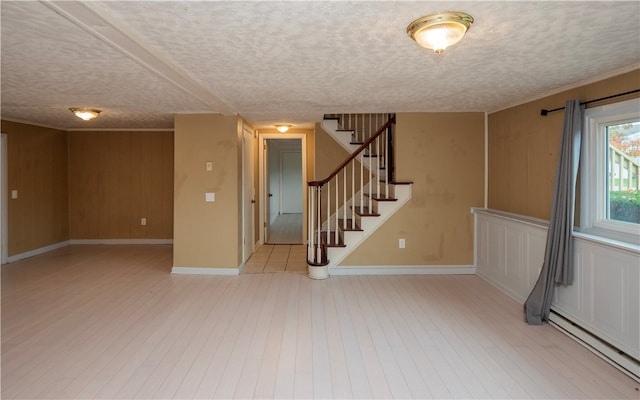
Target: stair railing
[[362, 126], [348, 192]]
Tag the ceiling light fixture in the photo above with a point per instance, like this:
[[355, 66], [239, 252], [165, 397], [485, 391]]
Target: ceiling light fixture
[[440, 30], [85, 113], [282, 128]]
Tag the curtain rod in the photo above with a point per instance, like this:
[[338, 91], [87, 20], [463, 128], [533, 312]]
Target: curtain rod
[[544, 112]]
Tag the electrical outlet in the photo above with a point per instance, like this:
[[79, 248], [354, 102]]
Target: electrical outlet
[[143, 221], [401, 243]]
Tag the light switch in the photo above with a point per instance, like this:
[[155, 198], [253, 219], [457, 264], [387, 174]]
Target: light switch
[[209, 197], [14, 194], [209, 166]]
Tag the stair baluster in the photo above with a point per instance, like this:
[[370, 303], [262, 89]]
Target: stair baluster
[[324, 224]]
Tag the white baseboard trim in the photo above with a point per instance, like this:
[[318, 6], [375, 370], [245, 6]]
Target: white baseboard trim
[[604, 350], [205, 271], [121, 241], [403, 270], [36, 252]]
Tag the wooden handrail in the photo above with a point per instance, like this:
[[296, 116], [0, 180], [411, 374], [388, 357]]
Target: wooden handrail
[[353, 155]]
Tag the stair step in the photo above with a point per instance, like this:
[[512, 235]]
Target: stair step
[[365, 212], [374, 196], [330, 240], [397, 182], [347, 226]]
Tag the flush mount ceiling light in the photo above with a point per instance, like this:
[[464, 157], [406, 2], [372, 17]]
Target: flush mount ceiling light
[[85, 113], [282, 128], [440, 30]]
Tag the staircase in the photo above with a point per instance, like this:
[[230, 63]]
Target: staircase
[[358, 196]]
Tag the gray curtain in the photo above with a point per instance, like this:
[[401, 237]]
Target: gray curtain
[[557, 267]]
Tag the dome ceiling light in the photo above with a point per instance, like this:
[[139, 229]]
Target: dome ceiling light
[[282, 128], [440, 30], [85, 113]]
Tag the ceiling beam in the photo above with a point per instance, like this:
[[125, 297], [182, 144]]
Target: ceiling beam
[[107, 30]]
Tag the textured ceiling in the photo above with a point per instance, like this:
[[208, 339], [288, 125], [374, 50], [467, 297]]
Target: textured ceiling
[[141, 62]]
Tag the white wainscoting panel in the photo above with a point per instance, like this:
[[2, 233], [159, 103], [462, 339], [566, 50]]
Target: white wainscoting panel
[[604, 298], [509, 252]]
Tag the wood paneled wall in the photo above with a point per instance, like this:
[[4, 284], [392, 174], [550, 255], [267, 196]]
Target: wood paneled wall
[[117, 178], [523, 146], [37, 169]]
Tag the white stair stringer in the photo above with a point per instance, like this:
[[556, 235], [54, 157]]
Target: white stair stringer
[[353, 239]]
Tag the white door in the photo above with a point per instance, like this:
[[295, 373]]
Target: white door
[[266, 199], [248, 194], [273, 183]]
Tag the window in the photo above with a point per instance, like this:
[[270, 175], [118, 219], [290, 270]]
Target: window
[[610, 169]]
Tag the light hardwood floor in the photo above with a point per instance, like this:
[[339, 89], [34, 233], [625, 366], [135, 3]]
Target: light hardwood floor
[[112, 322]]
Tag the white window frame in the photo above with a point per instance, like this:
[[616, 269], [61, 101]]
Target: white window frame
[[593, 179]]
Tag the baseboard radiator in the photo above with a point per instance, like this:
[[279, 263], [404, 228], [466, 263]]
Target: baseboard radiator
[[614, 356]]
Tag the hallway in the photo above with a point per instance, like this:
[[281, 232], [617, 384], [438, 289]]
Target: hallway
[[286, 229]]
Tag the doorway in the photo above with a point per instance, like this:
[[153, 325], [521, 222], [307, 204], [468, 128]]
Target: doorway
[[283, 188]]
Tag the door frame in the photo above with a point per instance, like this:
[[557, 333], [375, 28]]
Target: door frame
[[262, 137], [248, 199]]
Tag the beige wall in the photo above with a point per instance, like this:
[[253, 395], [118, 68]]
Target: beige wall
[[206, 234], [523, 147], [37, 169], [443, 155], [117, 178], [329, 154]]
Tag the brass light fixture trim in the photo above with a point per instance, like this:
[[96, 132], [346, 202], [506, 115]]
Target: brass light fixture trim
[[85, 113], [282, 128], [440, 30]]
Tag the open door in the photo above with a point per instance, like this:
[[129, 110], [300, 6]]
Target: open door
[[267, 191], [248, 194]]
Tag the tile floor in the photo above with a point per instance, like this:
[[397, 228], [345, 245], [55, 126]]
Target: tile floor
[[277, 258]]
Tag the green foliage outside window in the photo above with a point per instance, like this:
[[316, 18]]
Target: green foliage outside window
[[625, 206]]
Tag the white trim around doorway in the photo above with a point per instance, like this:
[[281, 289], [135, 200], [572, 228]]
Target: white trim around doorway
[[261, 143]]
